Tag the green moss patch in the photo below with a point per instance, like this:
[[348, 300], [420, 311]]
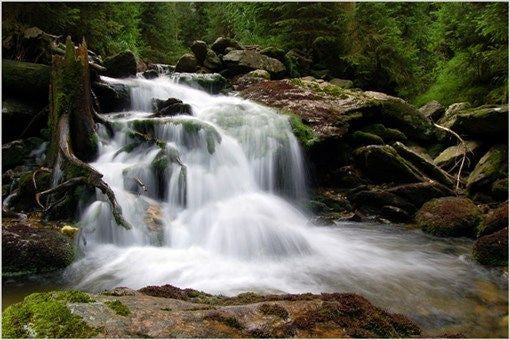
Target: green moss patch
[[46, 315], [303, 132], [273, 309], [118, 307]]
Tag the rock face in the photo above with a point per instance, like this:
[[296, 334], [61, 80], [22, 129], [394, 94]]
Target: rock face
[[30, 246], [449, 216], [433, 110], [495, 220], [492, 249], [186, 63], [452, 154], [167, 312], [481, 122], [492, 166], [121, 65], [242, 61]]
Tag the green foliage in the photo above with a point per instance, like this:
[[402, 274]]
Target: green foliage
[[118, 307], [46, 315]]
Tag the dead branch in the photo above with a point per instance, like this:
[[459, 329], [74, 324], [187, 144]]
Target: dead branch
[[463, 156]]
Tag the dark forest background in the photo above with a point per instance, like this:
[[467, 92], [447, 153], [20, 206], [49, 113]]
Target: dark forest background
[[449, 52]]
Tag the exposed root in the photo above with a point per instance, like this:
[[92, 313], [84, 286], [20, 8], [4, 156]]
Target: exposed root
[[42, 169], [464, 156]]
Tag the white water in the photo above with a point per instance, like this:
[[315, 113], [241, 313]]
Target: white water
[[235, 225]]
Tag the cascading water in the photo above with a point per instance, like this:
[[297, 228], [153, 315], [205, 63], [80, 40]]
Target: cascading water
[[214, 204]]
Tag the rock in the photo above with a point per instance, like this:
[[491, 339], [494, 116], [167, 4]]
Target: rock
[[365, 138], [389, 135], [213, 83], [260, 74], [150, 74], [449, 217], [162, 68], [112, 97], [212, 61], [25, 80], [274, 52], [433, 110], [423, 164], [454, 109], [220, 44], [419, 193], [297, 63], [159, 104], [21, 152], [378, 198], [346, 177], [344, 83], [499, 189], [17, 115], [492, 166], [449, 157], [242, 61], [30, 246], [383, 164], [186, 63], [121, 65], [492, 249], [199, 49], [169, 312], [395, 214], [483, 122], [174, 109], [495, 220]]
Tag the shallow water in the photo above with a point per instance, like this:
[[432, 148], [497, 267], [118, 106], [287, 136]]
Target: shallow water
[[230, 221]]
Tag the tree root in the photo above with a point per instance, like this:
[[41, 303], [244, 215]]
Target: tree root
[[464, 156]]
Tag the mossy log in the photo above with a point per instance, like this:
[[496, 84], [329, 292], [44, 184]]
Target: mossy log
[[73, 137], [26, 80]]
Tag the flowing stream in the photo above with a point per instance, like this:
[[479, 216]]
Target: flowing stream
[[215, 206]]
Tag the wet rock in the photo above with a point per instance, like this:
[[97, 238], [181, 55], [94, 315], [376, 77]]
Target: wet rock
[[453, 110], [433, 110], [213, 83], [373, 200], [499, 189], [423, 164], [366, 138], [450, 156], [220, 44], [260, 74], [31, 246], [199, 49], [121, 65], [22, 152], [346, 177], [186, 63], [449, 216], [492, 249], [495, 220], [343, 83], [389, 135], [194, 314], [212, 61], [170, 107], [330, 206], [112, 97], [150, 74], [242, 61], [16, 116], [297, 63], [395, 214], [492, 166], [274, 52], [420, 193], [381, 163]]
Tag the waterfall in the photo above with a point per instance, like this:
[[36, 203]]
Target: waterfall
[[215, 203]]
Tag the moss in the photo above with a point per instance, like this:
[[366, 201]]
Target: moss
[[322, 88], [492, 249], [166, 309], [492, 166], [449, 216], [46, 315], [230, 321], [273, 309], [365, 138], [389, 135], [306, 136], [118, 307]]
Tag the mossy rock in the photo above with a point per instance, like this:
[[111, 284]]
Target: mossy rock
[[487, 121], [366, 138], [18, 152], [492, 249], [449, 156], [492, 166], [274, 52], [449, 216], [25, 80], [306, 136], [495, 220], [46, 315], [499, 189], [381, 163], [213, 83], [121, 65], [118, 307], [389, 135]]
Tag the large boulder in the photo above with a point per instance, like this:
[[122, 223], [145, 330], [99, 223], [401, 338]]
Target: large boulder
[[389, 135], [495, 220], [242, 61], [169, 312], [260, 74], [170, 107], [25, 80], [30, 246], [344, 83], [433, 110], [492, 166], [297, 63], [381, 163], [186, 63], [487, 121], [212, 61], [492, 249], [220, 44], [112, 97], [213, 83], [453, 109], [449, 216], [420, 193], [199, 49], [383, 203], [274, 52], [451, 155], [121, 65]]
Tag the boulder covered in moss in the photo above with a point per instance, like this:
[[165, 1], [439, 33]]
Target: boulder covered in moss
[[381, 163], [451, 155], [495, 220], [449, 216], [213, 83], [389, 135], [30, 246], [492, 249], [121, 65], [242, 61], [366, 138], [488, 121], [433, 110], [171, 312], [491, 167], [222, 43], [187, 63]]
